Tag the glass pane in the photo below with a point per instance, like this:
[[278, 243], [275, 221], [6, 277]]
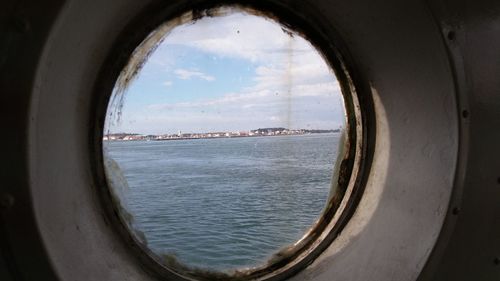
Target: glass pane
[[221, 151]]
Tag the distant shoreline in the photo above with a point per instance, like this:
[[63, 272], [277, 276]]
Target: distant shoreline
[[232, 137], [219, 135]]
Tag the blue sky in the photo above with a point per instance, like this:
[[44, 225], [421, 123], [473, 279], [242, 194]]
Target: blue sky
[[231, 73]]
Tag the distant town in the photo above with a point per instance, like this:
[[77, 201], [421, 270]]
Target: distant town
[[238, 134]]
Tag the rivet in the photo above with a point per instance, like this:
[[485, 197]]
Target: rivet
[[6, 201], [496, 261], [465, 113], [451, 35], [498, 180], [455, 211]]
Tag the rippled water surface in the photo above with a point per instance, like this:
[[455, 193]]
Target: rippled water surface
[[225, 203]]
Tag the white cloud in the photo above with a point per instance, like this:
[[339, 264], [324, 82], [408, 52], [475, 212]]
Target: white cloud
[[167, 83], [228, 99], [257, 100], [186, 74], [239, 35], [297, 112]]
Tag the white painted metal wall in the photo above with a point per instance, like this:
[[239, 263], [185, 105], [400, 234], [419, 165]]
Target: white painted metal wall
[[431, 207]]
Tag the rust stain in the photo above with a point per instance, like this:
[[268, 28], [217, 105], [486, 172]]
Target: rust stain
[[289, 77]]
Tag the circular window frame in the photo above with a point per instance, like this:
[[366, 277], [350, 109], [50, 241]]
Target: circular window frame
[[351, 169]]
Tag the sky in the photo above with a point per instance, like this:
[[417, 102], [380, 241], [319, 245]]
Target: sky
[[236, 72]]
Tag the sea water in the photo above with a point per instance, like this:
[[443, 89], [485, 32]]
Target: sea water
[[225, 203]]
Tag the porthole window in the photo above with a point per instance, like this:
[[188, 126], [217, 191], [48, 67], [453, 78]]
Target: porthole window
[[229, 145]]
